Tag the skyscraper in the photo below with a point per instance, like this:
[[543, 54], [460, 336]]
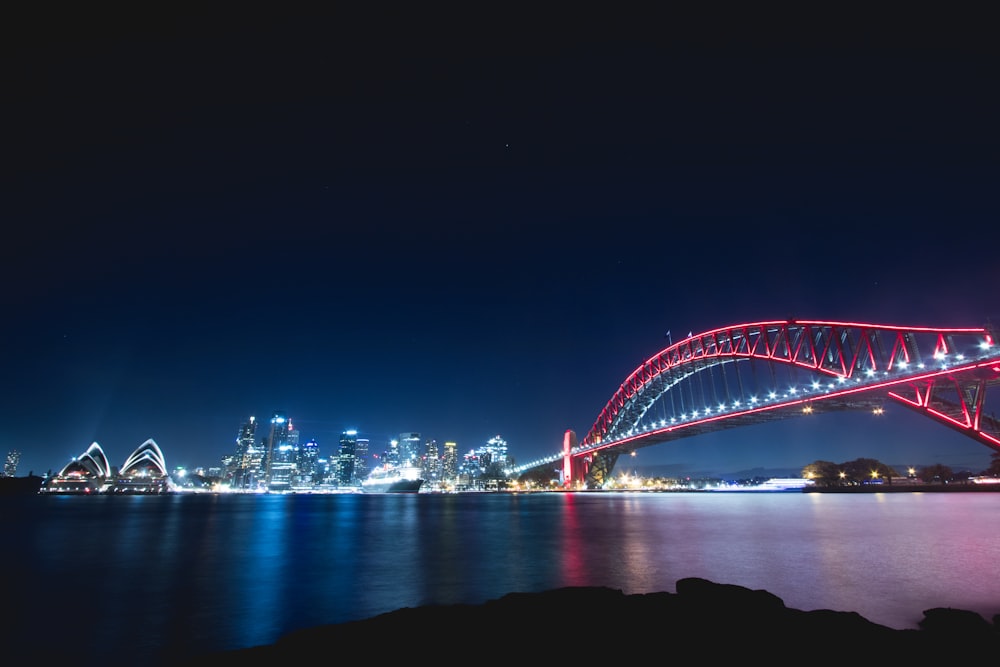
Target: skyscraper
[[449, 462], [361, 460], [279, 454], [346, 475], [431, 463], [243, 468], [307, 464], [409, 449]]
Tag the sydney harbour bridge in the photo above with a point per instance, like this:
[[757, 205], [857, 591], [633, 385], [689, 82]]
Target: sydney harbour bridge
[[763, 371]]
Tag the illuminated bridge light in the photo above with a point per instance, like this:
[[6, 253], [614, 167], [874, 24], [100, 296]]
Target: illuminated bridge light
[[815, 385], [870, 372], [772, 395]]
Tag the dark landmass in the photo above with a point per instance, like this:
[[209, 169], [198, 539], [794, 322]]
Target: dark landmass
[[905, 488], [20, 485], [705, 620]]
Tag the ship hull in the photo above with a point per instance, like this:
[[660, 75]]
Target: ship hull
[[392, 486]]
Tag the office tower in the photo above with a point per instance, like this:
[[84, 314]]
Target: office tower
[[392, 455], [361, 459], [431, 463], [308, 473], [243, 466], [409, 449], [346, 475], [276, 439], [10, 465], [449, 462], [280, 453], [494, 453]]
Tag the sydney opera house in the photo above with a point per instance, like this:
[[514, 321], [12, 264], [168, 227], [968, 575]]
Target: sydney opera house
[[144, 471]]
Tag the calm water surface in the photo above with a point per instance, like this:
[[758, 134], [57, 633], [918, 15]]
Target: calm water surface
[[166, 575]]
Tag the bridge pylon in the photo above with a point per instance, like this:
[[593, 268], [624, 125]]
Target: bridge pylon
[[568, 474]]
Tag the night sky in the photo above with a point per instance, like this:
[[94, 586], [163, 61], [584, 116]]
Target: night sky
[[471, 225]]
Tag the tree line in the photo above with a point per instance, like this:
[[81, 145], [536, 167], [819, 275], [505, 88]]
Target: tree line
[[868, 471]]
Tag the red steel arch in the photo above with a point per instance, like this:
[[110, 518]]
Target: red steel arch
[[942, 373]]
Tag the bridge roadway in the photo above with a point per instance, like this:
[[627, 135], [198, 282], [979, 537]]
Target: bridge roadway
[[764, 371]]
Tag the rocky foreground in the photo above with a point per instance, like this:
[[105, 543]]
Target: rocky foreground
[[703, 620]]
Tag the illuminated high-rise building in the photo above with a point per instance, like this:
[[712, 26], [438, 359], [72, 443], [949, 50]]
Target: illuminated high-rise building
[[449, 462], [346, 463], [361, 460], [494, 453], [242, 469], [10, 465], [410, 449], [392, 456], [431, 463], [280, 456], [307, 464]]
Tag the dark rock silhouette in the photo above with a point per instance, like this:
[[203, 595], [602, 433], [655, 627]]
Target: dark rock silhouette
[[711, 620], [20, 485]]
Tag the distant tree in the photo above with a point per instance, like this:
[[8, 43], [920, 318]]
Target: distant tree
[[865, 470], [994, 468], [936, 474], [823, 473]]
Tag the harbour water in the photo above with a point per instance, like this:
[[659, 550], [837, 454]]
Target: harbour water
[[160, 577]]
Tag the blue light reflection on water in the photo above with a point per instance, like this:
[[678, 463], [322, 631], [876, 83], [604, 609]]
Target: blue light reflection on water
[[171, 574]]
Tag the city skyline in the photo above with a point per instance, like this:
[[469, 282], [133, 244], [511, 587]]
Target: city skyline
[[376, 223]]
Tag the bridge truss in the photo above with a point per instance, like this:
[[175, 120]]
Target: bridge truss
[[764, 371]]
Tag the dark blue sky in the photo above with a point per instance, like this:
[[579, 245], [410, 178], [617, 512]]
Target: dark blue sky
[[395, 224]]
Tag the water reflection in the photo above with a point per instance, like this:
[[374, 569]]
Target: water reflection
[[197, 573]]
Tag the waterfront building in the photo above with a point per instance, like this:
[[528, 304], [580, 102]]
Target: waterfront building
[[283, 467], [346, 463], [144, 471], [242, 469], [361, 459], [307, 464], [449, 462], [470, 473], [494, 452], [431, 463], [276, 440]]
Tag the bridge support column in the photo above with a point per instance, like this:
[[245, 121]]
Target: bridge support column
[[569, 442]]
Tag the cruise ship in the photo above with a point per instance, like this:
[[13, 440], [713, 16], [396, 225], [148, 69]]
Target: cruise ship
[[392, 479]]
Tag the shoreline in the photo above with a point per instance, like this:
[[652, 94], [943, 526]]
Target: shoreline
[[906, 488], [699, 613]]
